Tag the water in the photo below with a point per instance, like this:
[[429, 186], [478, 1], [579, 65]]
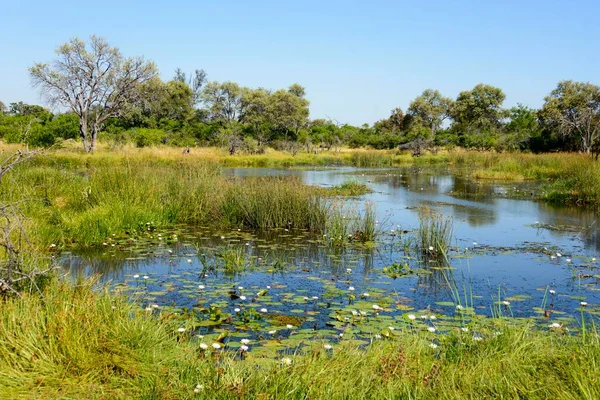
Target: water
[[505, 251]]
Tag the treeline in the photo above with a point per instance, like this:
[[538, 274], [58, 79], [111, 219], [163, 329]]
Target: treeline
[[123, 100]]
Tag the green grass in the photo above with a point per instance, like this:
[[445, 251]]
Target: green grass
[[77, 342], [434, 234]]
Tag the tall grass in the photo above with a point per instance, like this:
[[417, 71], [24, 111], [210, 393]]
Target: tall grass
[[434, 234], [76, 342]]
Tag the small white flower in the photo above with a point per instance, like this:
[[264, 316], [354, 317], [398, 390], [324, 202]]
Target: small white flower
[[376, 307], [593, 259], [506, 303], [568, 260], [105, 244], [459, 307], [348, 270], [306, 298], [146, 276], [263, 310], [412, 317], [432, 317], [216, 346], [240, 287], [474, 243], [552, 291], [198, 388], [315, 297], [272, 332], [222, 237], [430, 248], [327, 347], [423, 316], [554, 325], [201, 287], [237, 310], [289, 326], [149, 309], [244, 348], [351, 288], [391, 328], [464, 329], [431, 329], [286, 361], [433, 345], [242, 297], [268, 287], [181, 330], [189, 260], [245, 341], [203, 346], [136, 276], [558, 255], [583, 303], [154, 305]]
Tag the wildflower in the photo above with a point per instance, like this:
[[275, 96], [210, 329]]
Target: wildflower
[[272, 332], [351, 288], [203, 346], [464, 329], [377, 308], [201, 287], [552, 292], [245, 341], [198, 388], [286, 361], [181, 330], [289, 326], [433, 345], [554, 325], [412, 317], [431, 329], [244, 348], [149, 309], [263, 310], [583, 303], [430, 248], [327, 347], [136, 276], [236, 310], [216, 346], [242, 297]]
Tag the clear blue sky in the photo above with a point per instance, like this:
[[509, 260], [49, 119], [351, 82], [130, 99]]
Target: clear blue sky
[[357, 59]]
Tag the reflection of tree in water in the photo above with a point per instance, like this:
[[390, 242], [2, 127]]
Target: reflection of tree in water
[[568, 220]]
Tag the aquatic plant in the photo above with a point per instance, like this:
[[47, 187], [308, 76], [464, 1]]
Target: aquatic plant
[[434, 234]]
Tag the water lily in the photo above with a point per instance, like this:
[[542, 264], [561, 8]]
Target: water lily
[[189, 260], [351, 288], [412, 317], [244, 348], [391, 328], [365, 294], [289, 326], [272, 332], [149, 309], [263, 310], [464, 329], [146, 277], [201, 287], [431, 329], [327, 347], [459, 307], [203, 346], [568, 260], [315, 297], [593, 259], [245, 341], [432, 317], [433, 345], [583, 303], [268, 287], [237, 310], [552, 292], [423, 316], [286, 361], [558, 255], [554, 325], [222, 237], [198, 388], [216, 346], [242, 297], [181, 330], [136, 276], [154, 305], [348, 270], [240, 287], [430, 248], [376, 307], [506, 303], [306, 298]]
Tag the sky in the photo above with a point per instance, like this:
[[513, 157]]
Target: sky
[[358, 60]]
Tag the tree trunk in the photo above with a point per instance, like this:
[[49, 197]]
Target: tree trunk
[[93, 139], [83, 131]]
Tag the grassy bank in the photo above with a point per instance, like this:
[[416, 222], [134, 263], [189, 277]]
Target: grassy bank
[[76, 342]]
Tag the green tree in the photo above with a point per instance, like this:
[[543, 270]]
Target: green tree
[[480, 108], [195, 82], [522, 126], [573, 110], [288, 112], [95, 82], [255, 112], [430, 110], [224, 101]]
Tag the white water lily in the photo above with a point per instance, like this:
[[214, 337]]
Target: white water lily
[[286, 361], [146, 276], [568, 260], [552, 291], [506, 303], [391, 328], [315, 297], [376, 307], [433, 345], [201, 287], [240, 287], [583, 303], [216, 346], [432, 317], [464, 329], [203, 346], [198, 388], [244, 348], [327, 347], [412, 317], [351, 288], [365, 294], [558, 255], [263, 310], [459, 307], [423, 316], [136, 276], [431, 329], [554, 325], [242, 297], [289, 326], [272, 332], [155, 306], [189, 260], [237, 310], [268, 287], [245, 341], [306, 298], [593, 259], [222, 237], [181, 330], [149, 309], [430, 248], [348, 270]]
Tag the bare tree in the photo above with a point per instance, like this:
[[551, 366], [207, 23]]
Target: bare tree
[[196, 82], [96, 83]]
